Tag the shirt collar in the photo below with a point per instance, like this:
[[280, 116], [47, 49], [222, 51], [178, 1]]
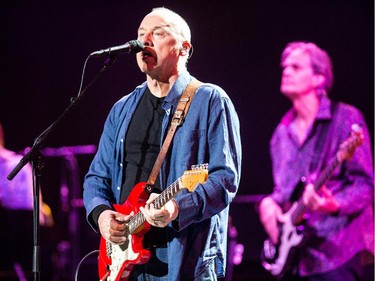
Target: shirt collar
[[178, 87], [324, 111]]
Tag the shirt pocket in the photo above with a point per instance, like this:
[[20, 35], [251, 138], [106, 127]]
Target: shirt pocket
[[190, 145]]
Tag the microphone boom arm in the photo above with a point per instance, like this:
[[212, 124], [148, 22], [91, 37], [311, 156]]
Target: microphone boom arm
[[40, 140]]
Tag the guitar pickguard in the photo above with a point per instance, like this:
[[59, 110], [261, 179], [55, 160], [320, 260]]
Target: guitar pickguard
[[278, 259]]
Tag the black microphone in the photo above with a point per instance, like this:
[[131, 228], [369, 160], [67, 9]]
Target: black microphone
[[133, 46]]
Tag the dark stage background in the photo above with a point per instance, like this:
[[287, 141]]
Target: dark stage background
[[237, 45]]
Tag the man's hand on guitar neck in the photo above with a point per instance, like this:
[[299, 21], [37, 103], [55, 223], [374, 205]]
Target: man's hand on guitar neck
[[159, 217], [112, 226], [323, 202]]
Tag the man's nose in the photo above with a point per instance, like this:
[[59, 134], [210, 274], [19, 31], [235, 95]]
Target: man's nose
[[287, 70], [147, 39]]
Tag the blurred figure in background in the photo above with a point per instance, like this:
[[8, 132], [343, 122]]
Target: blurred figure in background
[[16, 216], [338, 233]]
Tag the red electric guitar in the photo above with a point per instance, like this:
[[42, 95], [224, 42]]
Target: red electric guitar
[[117, 261]]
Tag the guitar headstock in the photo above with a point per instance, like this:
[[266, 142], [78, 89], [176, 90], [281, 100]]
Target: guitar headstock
[[348, 147], [197, 174]]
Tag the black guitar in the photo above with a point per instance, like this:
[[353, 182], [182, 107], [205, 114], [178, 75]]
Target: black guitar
[[279, 259]]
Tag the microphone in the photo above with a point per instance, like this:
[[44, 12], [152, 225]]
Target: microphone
[[133, 46]]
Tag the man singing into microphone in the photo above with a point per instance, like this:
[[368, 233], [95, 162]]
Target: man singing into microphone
[[188, 235]]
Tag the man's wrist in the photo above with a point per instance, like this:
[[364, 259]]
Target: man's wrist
[[96, 213]]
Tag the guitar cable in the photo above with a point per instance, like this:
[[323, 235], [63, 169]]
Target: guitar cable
[[79, 264]]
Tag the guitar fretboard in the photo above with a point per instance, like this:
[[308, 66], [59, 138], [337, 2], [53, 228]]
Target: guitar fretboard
[[346, 150], [170, 192], [301, 209]]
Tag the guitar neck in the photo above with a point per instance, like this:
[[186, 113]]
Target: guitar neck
[[137, 220], [168, 194], [301, 209]]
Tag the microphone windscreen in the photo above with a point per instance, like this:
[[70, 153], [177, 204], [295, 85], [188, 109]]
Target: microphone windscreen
[[135, 46]]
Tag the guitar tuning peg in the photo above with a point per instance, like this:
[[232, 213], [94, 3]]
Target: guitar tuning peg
[[205, 166], [199, 167]]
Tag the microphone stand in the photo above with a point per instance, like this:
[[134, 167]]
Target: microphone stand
[[34, 156]]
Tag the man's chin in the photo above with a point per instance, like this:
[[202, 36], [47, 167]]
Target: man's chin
[[287, 93], [146, 68]]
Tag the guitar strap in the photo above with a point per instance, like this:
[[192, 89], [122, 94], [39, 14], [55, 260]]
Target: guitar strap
[[323, 130], [177, 119]]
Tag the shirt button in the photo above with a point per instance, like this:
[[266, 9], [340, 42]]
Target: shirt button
[[122, 140], [118, 188], [120, 164]]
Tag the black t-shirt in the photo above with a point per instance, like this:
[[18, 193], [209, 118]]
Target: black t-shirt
[[142, 143], [142, 146]]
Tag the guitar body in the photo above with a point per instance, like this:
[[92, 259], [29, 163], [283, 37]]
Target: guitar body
[[117, 261], [278, 259], [123, 258]]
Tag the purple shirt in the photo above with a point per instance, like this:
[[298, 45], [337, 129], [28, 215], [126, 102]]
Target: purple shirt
[[335, 238], [16, 194]]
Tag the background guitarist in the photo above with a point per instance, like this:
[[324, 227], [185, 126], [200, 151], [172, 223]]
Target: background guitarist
[[16, 218], [340, 218], [191, 241]]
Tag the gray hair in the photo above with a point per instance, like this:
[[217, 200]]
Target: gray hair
[[178, 24]]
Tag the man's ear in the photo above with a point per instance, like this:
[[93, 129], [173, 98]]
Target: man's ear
[[185, 48], [319, 80]]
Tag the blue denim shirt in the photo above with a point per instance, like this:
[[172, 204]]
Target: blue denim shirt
[[210, 134], [334, 238]]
